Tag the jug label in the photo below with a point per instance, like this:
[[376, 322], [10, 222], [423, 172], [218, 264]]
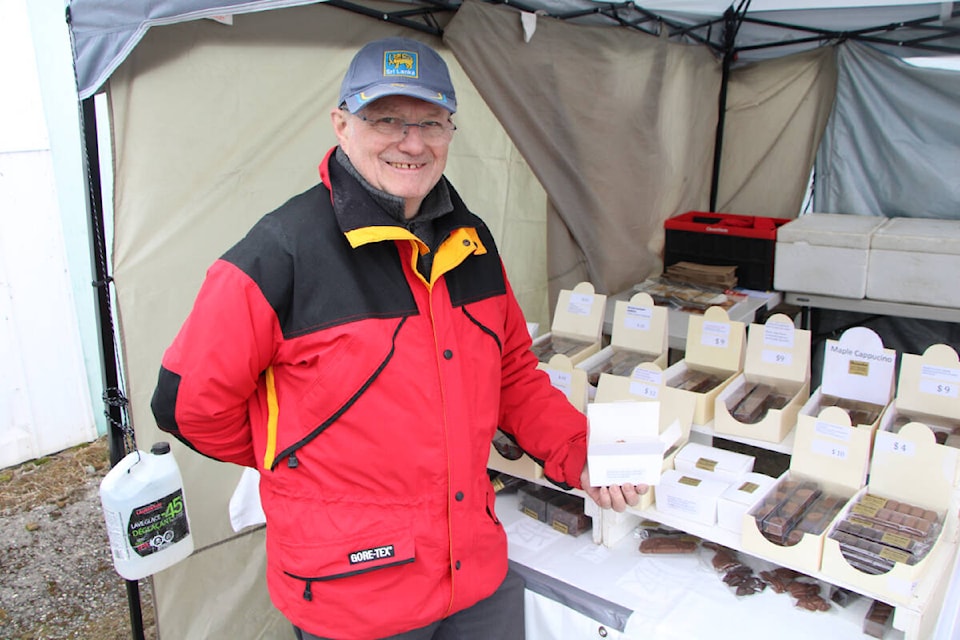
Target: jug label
[[158, 524]]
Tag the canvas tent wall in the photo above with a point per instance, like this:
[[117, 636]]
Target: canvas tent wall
[[582, 140]]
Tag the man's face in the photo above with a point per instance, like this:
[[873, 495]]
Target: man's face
[[407, 167]]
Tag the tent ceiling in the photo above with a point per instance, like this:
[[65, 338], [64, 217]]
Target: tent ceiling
[[104, 32]]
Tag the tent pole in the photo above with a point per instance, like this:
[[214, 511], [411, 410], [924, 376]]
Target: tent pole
[[729, 37], [88, 120]]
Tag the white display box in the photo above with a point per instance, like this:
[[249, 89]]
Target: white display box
[[915, 260], [625, 444], [908, 467], [690, 496], [711, 462], [573, 383], [778, 355], [740, 497], [645, 385], [825, 253], [928, 390], [856, 367], [578, 316], [834, 455], [715, 346]]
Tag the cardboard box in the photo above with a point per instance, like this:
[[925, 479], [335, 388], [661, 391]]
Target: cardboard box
[[638, 335], [825, 253], [740, 497], [746, 242], [915, 260], [690, 496], [928, 390], [625, 444], [857, 369], [911, 468], [711, 462], [645, 385], [778, 362], [715, 347], [829, 455], [578, 319], [573, 383]]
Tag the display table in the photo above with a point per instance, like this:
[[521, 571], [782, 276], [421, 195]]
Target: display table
[[743, 311], [577, 589]]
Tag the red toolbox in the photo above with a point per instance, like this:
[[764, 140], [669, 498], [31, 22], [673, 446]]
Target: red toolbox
[[748, 242]]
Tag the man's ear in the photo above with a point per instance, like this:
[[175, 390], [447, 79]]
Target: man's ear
[[341, 123]]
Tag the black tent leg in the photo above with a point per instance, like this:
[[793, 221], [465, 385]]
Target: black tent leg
[[88, 121]]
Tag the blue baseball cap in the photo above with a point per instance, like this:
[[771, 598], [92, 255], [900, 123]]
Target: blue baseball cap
[[397, 67]]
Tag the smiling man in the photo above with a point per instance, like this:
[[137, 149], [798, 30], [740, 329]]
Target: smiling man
[[360, 347]]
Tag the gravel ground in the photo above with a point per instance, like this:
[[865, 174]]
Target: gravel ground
[[56, 575]]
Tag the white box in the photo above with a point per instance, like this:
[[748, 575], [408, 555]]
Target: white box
[[740, 497], [778, 355], [711, 462], [689, 496], [625, 444], [825, 253], [915, 260], [928, 390]]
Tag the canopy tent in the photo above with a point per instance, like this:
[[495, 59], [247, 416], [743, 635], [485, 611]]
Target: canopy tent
[[586, 135]]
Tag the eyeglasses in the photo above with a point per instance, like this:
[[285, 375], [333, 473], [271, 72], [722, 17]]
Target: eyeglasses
[[396, 129]]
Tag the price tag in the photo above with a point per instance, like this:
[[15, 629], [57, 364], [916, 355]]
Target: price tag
[[638, 318], [580, 304], [936, 388], [939, 381], [890, 443], [715, 334], [562, 380], [778, 334], [777, 357], [830, 449], [644, 390]]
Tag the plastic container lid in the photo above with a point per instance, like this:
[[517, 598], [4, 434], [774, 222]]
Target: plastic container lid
[[160, 448], [832, 230]]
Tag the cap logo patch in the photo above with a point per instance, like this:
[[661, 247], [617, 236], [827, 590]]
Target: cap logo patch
[[401, 64]]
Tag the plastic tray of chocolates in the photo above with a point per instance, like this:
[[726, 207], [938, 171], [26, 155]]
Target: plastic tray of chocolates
[[620, 363], [750, 403], [695, 381], [565, 514], [876, 533], [793, 508], [553, 345], [860, 412], [945, 431]]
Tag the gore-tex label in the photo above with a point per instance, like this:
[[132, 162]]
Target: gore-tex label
[[369, 555]]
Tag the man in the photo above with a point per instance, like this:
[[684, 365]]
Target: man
[[360, 347]]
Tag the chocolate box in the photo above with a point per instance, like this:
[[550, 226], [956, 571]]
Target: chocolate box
[[577, 325]]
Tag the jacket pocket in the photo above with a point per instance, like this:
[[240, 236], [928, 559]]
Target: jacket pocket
[[346, 556]]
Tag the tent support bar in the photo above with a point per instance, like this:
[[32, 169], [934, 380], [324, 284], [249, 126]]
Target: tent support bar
[[387, 16], [731, 23], [88, 118]]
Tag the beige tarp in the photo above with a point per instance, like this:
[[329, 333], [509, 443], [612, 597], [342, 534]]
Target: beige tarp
[[214, 125]]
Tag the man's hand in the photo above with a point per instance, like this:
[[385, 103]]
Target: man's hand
[[614, 497]]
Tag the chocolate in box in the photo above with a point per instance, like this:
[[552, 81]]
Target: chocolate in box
[[828, 466], [577, 325], [712, 359], [763, 402], [908, 468]]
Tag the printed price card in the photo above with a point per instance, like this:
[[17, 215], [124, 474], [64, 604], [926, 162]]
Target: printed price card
[[580, 304], [644, 390], [889, 442], [777, 357], [638, 318], [940, 381], [646, 383], [715, 334], [830, 449], [562, 380]]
